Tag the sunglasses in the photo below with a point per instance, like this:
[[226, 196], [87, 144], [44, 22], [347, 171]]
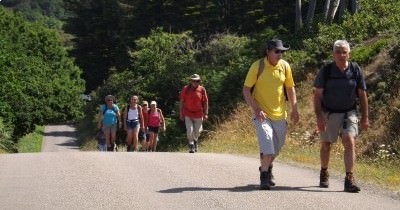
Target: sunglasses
[[109, 100], [196, 81], [279, 51]]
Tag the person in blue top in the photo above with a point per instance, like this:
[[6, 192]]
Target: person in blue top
[[109, 116]]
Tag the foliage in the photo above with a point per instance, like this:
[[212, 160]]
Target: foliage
[[47, 12], [363, 55], [6, 144], [40, 84], [31, 142]]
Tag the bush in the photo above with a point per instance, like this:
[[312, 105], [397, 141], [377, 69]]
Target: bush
[[364, 54], [40, 83]]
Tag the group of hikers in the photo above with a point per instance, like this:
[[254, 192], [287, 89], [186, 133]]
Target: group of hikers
[[143, 123], [338, 88]]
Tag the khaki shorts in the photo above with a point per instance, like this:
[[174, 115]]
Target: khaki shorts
[[338, 124], [271, 135]]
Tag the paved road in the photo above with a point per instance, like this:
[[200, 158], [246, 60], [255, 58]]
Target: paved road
[[59, 138], [94, 180]]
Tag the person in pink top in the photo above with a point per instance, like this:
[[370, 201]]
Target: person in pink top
[[155, 119]]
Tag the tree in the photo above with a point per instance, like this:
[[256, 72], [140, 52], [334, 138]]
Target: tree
[[326, 8], [332, 10], [299, 21], [342, 8], [100, 40], [310, 13], [39, 83], [353, 6]]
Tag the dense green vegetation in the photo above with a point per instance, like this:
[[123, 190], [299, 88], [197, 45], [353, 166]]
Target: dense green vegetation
[[39, 82], [150, 48]]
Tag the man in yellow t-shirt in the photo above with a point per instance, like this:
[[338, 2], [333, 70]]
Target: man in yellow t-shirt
[[264, 91]]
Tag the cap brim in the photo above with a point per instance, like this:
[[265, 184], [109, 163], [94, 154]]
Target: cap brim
[[282, 48]]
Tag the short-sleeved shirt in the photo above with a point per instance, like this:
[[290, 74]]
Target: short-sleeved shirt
[[340, 89], [193, 99], [110, 115], [145, 112], [268, 87]]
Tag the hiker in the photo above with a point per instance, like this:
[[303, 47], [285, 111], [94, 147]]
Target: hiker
[[264, 91], [108, 119], [101, 140], [143, 134], [193, 109], [133, 121], [155, 119], [337, 86]]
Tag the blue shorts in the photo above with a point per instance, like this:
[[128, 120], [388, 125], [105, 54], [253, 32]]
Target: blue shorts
[[131, 124]]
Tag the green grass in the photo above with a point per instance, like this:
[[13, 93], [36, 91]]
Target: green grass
[[31, 142], [237, 136]]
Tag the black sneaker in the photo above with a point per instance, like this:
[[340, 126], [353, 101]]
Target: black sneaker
[[350, 184], [271, 176], [196, 147], [324, 179], [191, 148], [264, 181]]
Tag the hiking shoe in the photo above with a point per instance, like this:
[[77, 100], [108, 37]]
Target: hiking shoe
[[191, 148], [271, 176], [196, 147], [324, 179], [350, 184], [264, 181]]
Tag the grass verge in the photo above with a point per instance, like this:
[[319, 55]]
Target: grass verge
[[31, 142], [237, 135]]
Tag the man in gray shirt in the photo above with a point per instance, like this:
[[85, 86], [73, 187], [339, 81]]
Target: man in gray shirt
[[337, 86]]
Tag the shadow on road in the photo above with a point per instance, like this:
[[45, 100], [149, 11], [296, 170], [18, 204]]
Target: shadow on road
[[71, 134], [247, 188], [72, 144]]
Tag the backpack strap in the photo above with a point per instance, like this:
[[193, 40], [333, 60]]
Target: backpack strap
[[127, 110], [284, 86], [259, 72], [105, 109]]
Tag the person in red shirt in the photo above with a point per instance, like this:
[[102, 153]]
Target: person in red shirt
[[193, 109]]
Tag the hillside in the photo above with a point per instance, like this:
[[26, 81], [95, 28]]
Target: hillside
[[378, 146]]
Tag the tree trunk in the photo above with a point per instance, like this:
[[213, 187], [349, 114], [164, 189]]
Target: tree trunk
[[332, 10], [310, 13], [342, 8], [326, 8], [299, 21], [353, 6]]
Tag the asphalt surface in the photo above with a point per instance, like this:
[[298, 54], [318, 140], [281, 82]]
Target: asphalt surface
[[100, 180]]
